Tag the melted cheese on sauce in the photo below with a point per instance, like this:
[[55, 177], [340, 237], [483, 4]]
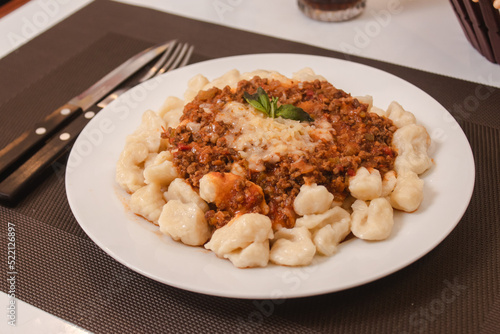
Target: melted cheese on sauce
[[259, 138]]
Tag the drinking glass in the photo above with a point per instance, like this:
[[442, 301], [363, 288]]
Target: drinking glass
[[332, 10]]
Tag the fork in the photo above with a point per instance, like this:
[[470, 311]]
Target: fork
[[175, 56]]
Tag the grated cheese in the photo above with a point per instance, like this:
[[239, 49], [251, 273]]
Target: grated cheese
[[260, 139]]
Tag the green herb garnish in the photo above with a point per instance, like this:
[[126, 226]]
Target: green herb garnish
[[263, 103]]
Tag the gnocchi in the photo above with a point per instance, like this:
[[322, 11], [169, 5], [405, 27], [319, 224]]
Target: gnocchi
[[412, 142], [161, 170], [312, 199], [408, 192], [399, 116], [292, 247], [366, 184], [147, 202], [328, 228], [244, 241], [255, 189], [185, 222], [373, 220], [180, 190]]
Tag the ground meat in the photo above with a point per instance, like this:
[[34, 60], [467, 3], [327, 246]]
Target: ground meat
[[359, 138], [234, 195]]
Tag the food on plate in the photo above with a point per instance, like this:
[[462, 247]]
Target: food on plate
[[260, 168]]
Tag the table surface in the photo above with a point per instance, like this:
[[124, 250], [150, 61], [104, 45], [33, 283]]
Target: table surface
[[10, 6], [422, 35]]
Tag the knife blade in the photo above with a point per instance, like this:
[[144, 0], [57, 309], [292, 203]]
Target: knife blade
[[26, 145]]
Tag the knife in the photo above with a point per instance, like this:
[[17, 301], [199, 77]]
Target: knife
[[15, 184], [27, 144], [22, 178]]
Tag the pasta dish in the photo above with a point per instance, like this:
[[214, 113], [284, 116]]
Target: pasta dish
[[260, 168]]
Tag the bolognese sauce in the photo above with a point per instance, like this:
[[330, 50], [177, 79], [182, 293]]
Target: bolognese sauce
[[343, 137]]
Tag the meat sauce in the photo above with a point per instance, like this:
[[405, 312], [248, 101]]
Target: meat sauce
[[235, 195], [358, 139]]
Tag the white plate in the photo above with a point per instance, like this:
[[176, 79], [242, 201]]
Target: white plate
[[98, 204]]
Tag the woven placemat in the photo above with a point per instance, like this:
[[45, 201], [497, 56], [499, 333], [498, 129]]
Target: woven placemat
[[452, 289]]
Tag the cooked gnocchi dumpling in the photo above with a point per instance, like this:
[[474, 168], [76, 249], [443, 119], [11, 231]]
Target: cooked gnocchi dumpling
[[292, 247], [373, 220], [412, 142], [244, 241], [185, 222], [366, 184], [147, 202], [161, 170], [408, 192], [312, 199], [328, 229], [180, 190]]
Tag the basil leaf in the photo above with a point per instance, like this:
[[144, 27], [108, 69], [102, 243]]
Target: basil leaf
[[289, 111], [255, 101], [256, 104], [263, 98], [261, 101]]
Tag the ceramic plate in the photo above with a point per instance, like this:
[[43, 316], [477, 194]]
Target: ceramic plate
[[100, 206]]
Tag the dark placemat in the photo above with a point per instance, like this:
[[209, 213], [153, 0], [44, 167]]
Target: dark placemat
[[452, 289]]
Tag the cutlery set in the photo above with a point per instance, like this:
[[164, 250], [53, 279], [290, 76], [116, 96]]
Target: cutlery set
[[25, 159]]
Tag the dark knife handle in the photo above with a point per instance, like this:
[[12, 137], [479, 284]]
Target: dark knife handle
[[20, 149], [15, 184]]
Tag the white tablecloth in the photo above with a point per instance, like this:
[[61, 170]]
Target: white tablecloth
[[422, 34]]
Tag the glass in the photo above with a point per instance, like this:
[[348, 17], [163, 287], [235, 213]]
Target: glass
[[332, 10]]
